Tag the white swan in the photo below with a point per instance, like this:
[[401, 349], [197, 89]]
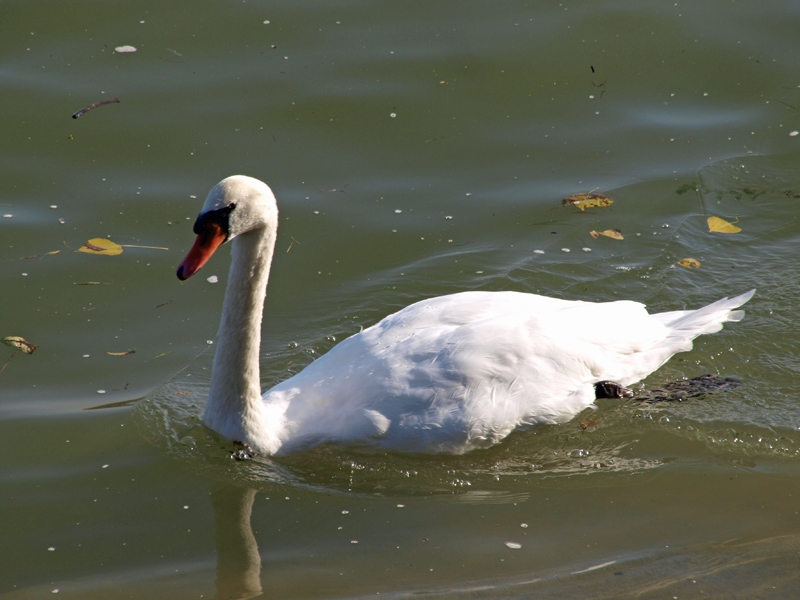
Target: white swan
[[444, 375]]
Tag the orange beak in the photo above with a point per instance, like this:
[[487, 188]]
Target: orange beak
[[204, 246]]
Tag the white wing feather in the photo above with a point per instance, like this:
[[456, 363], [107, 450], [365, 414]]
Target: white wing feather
[[459, 372]]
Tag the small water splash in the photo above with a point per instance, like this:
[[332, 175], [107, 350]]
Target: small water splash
[[171, 418]]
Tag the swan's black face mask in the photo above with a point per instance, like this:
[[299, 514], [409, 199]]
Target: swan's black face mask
[[212, 229], [219, 217]]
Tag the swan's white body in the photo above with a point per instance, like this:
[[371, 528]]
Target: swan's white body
[[444, 375]]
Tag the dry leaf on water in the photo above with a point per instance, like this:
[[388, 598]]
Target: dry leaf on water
[[40, 255], [102, 246], [587, 200], [19, 343], [614, 234], [718, 225], [689, 263], [106, 247]]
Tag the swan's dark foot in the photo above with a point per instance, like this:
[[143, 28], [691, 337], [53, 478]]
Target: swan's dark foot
[[611, 389], [678, 391], [242, 451]]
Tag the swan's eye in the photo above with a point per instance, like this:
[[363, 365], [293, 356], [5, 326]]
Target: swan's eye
[[216, 219]]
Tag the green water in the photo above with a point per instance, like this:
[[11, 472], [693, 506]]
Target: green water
[[416, 149]]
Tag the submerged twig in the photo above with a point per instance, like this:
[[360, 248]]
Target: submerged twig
[[95, 105], [8, 361]]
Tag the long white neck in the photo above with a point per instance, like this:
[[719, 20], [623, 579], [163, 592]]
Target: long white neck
[[235, 408]]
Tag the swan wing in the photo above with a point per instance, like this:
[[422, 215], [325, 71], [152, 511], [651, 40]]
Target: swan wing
[[457, 372]]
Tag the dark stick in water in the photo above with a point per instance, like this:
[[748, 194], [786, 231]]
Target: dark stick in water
[[95, 105]]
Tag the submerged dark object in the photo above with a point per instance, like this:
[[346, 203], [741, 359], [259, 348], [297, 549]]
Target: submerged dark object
[[678, 391], [611, 389], [675, 391]]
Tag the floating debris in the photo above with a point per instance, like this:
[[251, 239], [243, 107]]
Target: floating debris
[[39, 255], [108, 248], [614, 234], [102, 246], [718, 225], [20, 343], [587, 200], [93, 106], [689, 263]]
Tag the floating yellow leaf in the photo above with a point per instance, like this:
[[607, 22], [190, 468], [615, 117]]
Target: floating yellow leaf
[[19, 343], [120, 353], [614, 234], [717, 225], [689, 263], [101, 246], [587, 200]]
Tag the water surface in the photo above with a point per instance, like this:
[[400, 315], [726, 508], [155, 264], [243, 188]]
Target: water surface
[[416, 149]]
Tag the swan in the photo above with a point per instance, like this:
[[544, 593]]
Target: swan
[[444, 375]]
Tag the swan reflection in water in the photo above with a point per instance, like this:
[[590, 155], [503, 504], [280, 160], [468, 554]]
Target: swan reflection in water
[[238, 560], [715, 564]]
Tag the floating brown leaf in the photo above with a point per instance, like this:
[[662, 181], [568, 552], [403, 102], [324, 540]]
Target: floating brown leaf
[[587, 200], [718, 225], [102, 246], [614, 234], [689, 263]]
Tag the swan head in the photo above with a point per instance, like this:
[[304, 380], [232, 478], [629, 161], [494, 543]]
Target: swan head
[[236, 205]]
